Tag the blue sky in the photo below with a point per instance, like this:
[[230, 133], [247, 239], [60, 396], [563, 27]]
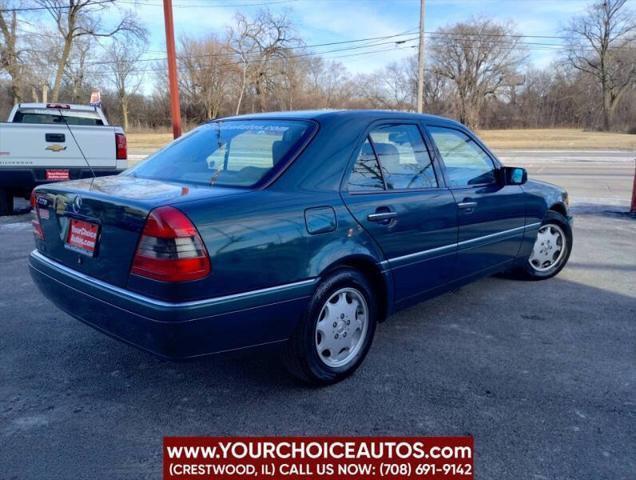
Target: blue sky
[[323, 21]]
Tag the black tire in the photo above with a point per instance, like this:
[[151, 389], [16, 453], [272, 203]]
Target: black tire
[[526, 271], [301, 355], [6, 202]]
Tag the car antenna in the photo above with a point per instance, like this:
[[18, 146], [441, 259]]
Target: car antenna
[[78, 145]]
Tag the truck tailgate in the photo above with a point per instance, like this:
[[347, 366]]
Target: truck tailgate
[[52, 146]]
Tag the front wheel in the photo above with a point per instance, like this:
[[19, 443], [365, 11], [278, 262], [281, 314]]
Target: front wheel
[[551, 249], [336, 333]]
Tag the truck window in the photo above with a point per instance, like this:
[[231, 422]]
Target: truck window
[[48, 117]]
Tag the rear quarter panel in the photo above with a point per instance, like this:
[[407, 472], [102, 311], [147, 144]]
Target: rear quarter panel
[[260, 239]]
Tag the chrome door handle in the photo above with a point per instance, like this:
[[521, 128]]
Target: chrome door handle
[[467, 204], [381, 216]]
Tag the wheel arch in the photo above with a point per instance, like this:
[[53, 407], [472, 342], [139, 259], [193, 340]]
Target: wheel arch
[[560, 208], [379, 279]]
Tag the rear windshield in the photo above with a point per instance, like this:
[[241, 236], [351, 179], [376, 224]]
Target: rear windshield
[[52, 116], [228, 153]]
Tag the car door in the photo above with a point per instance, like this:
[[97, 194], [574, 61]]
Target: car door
[[395, 193], [491, 214]]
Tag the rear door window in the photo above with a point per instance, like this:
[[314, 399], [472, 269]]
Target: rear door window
[[366, 173], [404, 159]]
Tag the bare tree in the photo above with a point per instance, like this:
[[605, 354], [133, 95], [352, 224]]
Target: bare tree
[[206, 70], [243, 45], [77, 18], [479, 58], [327, 83], [77, 71], [9, 52], [42, 53], [122, 57], [259, 43], [285, 82], [602, 44]]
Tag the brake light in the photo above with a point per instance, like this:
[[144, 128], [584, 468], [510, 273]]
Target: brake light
[[35, 222], [65, 106], [121, 148], [170, 248]]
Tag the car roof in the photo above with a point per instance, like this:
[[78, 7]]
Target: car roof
[[326, 115]]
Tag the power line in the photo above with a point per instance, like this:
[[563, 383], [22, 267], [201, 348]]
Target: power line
[[207, 5], [526, 45], [256, 55], [61, 7], [228, 64], [148, 4]]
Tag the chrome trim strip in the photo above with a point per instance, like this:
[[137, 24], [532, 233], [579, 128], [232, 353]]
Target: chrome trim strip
[[458, 244], [423, 252], [160, 303], [492, 235]]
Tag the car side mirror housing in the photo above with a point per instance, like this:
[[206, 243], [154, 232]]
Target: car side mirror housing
[[515, 175]]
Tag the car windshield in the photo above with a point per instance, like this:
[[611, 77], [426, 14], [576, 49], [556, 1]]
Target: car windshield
[[228, 153]]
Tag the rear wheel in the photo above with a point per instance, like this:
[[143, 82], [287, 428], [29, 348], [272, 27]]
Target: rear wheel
[[336, 333], [551, 249], [6, 202]]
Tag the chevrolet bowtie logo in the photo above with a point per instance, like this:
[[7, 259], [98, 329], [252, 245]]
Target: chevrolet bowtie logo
[[56, 148]]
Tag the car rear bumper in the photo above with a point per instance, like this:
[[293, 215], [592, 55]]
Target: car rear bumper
[[174, 330]]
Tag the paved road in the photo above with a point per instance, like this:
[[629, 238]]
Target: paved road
[[542, 374], [592, 178]]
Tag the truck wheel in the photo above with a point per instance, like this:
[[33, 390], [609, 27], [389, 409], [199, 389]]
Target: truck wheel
[[6, 202], [336, 332]]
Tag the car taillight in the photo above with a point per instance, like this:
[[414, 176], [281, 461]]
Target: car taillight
[[35, 222], [121, 147], [170, 248]]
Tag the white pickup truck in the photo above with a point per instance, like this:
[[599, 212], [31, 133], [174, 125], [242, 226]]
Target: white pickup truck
[[42, 143]]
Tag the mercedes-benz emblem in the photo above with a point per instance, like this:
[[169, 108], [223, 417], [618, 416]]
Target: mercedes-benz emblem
[[77, 204]]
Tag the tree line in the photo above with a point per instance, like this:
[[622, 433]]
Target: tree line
[[477, 71]]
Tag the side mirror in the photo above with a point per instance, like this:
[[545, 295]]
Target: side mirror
[[515, 175]]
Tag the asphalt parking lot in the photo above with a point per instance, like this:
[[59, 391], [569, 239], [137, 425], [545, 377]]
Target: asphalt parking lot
[[542, 374]]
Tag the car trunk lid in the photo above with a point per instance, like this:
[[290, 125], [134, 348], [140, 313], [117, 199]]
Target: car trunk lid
[[94, 225]]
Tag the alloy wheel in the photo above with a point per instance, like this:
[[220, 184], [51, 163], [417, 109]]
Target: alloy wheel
[[549, 248], [342, 327]]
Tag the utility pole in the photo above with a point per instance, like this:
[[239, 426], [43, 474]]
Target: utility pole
[[172, 69], [420, 61]]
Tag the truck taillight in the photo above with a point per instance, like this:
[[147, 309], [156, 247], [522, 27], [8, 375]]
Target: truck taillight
[[121, 147], [170, 248], [65, 106], [35, 222]]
